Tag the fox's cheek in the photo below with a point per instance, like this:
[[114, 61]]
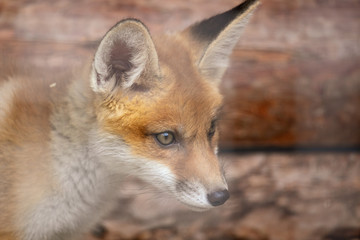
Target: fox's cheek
[[158, 174]]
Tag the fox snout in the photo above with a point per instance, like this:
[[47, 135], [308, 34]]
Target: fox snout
[[200, 180], [218, 197], [198, 197]]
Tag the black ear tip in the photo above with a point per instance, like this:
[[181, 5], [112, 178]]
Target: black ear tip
[[210, 28], [250, 2], [243, 7]]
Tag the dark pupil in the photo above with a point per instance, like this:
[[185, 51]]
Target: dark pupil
[[165, 137]]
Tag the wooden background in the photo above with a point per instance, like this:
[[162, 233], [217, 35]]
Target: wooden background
[[294, 79], [294, 82]]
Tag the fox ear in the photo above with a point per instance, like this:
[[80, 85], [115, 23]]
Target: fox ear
[[216, 37], [125, 58]]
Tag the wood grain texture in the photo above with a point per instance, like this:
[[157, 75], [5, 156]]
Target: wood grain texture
[[294, 78], [294, 81], [273, 197]]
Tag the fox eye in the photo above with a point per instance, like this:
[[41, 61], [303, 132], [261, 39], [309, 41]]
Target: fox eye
[[212, 129], [165, 138]]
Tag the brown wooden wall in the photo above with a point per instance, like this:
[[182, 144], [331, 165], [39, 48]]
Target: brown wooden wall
[[295, 74]]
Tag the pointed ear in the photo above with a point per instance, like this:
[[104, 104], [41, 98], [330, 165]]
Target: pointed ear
[[216, 37], [126, 58]]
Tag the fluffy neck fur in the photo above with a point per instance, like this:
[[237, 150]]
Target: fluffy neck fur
[[81, 180]]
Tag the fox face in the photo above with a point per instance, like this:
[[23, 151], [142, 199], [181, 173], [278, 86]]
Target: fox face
[[158, 104], [173, 129]]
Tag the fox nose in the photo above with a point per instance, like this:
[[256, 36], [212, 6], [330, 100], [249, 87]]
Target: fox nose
[[218, 197]]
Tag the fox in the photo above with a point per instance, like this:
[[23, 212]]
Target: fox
[[145, 106]]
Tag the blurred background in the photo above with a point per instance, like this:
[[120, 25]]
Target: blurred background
[[290, 132]]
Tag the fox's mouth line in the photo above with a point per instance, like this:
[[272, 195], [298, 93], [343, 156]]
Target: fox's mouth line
[[198, 209], [195, 208]]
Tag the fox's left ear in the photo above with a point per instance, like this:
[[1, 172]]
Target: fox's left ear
[[126, 59], [213, 39]]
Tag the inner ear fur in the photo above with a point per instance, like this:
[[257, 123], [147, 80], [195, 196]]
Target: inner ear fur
[[126, 58], [216, 37]]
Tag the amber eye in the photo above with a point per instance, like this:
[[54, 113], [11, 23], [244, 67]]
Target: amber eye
[[212, 129], [165, 138]]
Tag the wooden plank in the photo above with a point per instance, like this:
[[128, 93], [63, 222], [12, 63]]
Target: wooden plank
[[294, 78], [274, 196], [294, 104]]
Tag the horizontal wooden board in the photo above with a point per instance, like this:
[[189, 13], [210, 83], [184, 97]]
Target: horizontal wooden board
[[294, 78]]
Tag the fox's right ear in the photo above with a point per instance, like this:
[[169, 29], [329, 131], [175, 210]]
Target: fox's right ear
[[125, 58], [212, 40]]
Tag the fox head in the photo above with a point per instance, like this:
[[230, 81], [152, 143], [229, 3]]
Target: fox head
[[157, 103]]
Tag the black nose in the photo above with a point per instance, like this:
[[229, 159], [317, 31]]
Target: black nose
[[219, 197]]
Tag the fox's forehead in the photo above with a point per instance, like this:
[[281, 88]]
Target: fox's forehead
[[188, 107], [190, 99], [177, 60]]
